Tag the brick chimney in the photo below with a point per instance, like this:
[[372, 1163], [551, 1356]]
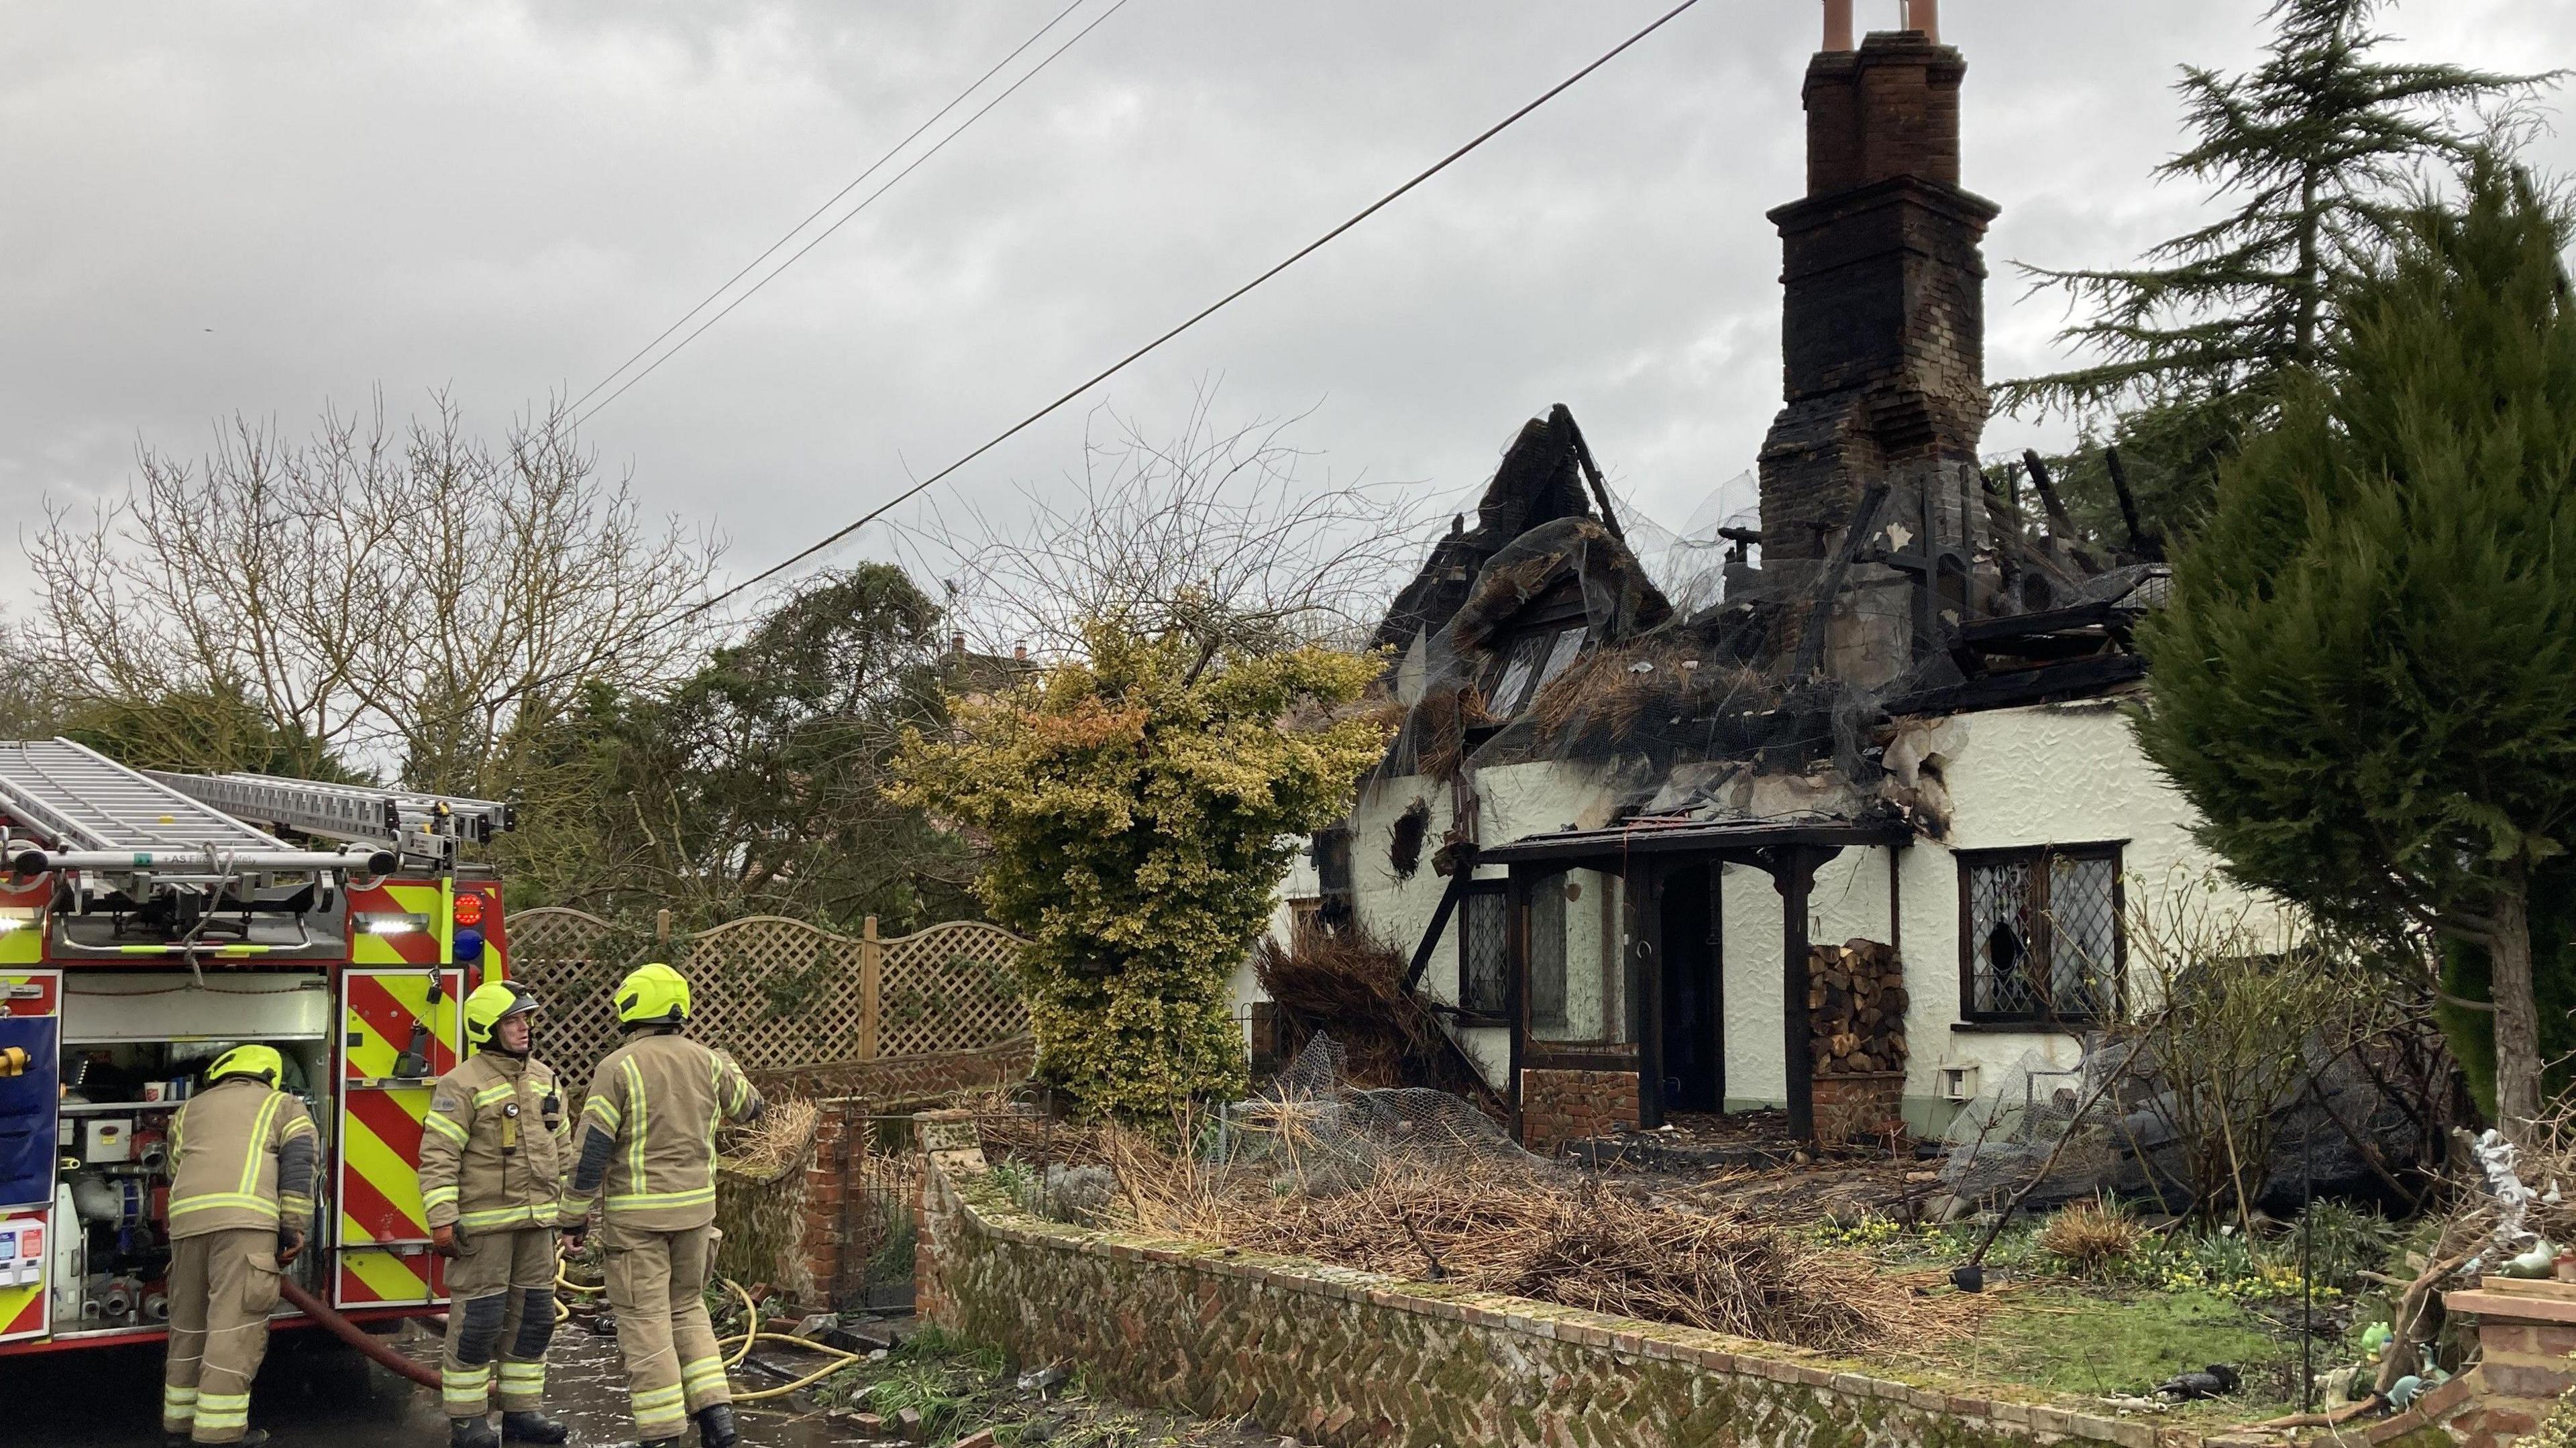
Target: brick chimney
[[1882, 337]]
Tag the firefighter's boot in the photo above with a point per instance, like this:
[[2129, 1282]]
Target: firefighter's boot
[[716, 1427], [474, 1432], [529, 1426], [250, 1438]]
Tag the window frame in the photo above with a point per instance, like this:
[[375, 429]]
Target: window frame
[[1546, 619], [1471, 1013], [2039, 858], [1622, 1022]]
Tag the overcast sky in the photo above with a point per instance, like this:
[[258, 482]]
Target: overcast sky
[[265, 207]]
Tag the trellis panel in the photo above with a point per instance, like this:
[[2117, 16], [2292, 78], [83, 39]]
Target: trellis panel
[[777, 993]]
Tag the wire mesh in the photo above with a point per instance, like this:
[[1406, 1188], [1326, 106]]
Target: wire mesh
[[1321, 1134]]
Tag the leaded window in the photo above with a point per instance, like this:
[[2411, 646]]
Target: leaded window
[[2040, 936], [1484, 949]]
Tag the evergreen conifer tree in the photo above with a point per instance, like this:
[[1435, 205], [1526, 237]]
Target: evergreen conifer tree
[[2366, 679], [2309, 150]]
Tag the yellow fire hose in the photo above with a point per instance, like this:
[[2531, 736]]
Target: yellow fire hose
[[740, 1345], [752, 1334]]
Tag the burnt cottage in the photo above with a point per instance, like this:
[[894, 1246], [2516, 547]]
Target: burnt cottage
[[1852, 836]]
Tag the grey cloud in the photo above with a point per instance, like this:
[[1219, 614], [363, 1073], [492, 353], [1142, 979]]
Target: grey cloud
[[268, 207]]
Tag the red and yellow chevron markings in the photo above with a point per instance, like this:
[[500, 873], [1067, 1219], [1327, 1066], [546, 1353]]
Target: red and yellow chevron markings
[[379, 1171]]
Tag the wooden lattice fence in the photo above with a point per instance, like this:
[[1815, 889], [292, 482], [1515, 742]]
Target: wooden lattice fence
[[778, 994]]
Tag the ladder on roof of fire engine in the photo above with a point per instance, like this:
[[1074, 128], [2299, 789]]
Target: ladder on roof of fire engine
[[95, 814], [424, 827]]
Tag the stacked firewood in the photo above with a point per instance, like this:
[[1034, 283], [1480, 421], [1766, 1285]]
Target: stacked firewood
[[1856, 1008]]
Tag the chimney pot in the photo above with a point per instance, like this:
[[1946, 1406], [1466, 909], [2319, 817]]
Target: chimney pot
[[1020, 652], [1838, 26], [1925, 16], [957, 643]]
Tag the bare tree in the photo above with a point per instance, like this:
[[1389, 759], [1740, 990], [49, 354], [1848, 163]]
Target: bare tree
[[1213, 533], [30, 704], [410, 597]]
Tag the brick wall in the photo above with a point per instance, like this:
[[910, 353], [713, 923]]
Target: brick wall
[[1860, 1107], [2526, 1332], [851, 1094], [1562, 1106], [1345, 1358], [826, 1187]]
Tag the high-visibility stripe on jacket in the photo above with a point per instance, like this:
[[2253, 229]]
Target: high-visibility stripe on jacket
[[482, 1167], [648, 1132], [244, 1154]]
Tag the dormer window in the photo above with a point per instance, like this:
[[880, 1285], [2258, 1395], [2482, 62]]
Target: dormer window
[[1536, 647], [1535, 658]]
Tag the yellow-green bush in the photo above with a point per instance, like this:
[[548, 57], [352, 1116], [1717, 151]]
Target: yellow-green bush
[[1139, 804]]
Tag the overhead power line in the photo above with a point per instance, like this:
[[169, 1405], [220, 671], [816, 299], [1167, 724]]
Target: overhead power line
[[1211, 309], [844, 219], [1496, 129]]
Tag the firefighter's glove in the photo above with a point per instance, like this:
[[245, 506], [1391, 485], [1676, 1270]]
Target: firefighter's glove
[[443, 1241], [290, 1245]]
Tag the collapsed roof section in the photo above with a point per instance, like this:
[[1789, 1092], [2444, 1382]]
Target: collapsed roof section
[[1558, 644], [1546, 475]]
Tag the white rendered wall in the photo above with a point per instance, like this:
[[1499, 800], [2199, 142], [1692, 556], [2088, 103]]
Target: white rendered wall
[[2060, 774], [2057, 774], [1755, 1073]]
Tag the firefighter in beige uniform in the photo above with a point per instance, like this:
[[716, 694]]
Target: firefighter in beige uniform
[[240, 1195], [491, 1176], [648, 1142]]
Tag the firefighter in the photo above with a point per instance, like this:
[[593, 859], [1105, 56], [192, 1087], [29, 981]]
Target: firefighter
[[648, 1148], [491, 1176], [241, 1193]]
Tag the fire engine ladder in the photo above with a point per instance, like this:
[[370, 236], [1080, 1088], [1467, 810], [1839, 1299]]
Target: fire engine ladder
[[94, 814], [425, 828]]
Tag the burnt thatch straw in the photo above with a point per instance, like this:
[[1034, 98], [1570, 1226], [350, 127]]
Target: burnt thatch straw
[[1503, 1227], [1351, 984]]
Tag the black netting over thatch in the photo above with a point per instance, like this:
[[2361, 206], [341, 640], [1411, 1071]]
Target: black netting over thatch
[[1687, 666]]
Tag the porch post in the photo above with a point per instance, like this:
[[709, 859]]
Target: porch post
[[1793, 871], [1645, 899]]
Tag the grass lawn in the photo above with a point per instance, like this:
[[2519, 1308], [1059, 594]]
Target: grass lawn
[[2102, 1342]]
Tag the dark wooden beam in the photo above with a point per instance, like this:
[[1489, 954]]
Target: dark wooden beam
[[2075, 678], [1794, 875], [1458, 882]]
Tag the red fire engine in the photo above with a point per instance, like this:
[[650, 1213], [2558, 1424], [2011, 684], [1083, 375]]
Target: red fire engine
[[147, 925]]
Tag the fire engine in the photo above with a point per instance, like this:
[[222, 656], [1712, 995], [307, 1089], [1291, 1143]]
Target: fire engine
[[150, 921]]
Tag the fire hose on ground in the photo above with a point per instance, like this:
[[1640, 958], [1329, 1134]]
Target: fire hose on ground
[[376, 1348], [354, 1335]]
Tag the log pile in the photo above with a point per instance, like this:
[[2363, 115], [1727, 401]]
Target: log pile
[[1856, 1008]]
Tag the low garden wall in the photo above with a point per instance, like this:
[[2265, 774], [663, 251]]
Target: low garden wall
[[1562, 1106], [1343, 1357]]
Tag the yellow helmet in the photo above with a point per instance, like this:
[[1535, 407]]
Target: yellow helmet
[[652, 994], [492, 1003], [248, 1061]]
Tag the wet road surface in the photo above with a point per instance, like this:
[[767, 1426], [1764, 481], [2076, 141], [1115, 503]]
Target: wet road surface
[[313, 1392]]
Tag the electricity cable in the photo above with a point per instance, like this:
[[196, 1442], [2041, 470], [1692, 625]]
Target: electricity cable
[[1443, 164], [1114, 368], [898, 148], [825, 234], [835, 199]]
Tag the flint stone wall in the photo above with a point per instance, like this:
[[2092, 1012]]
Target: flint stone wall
[[1344, 1358]]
